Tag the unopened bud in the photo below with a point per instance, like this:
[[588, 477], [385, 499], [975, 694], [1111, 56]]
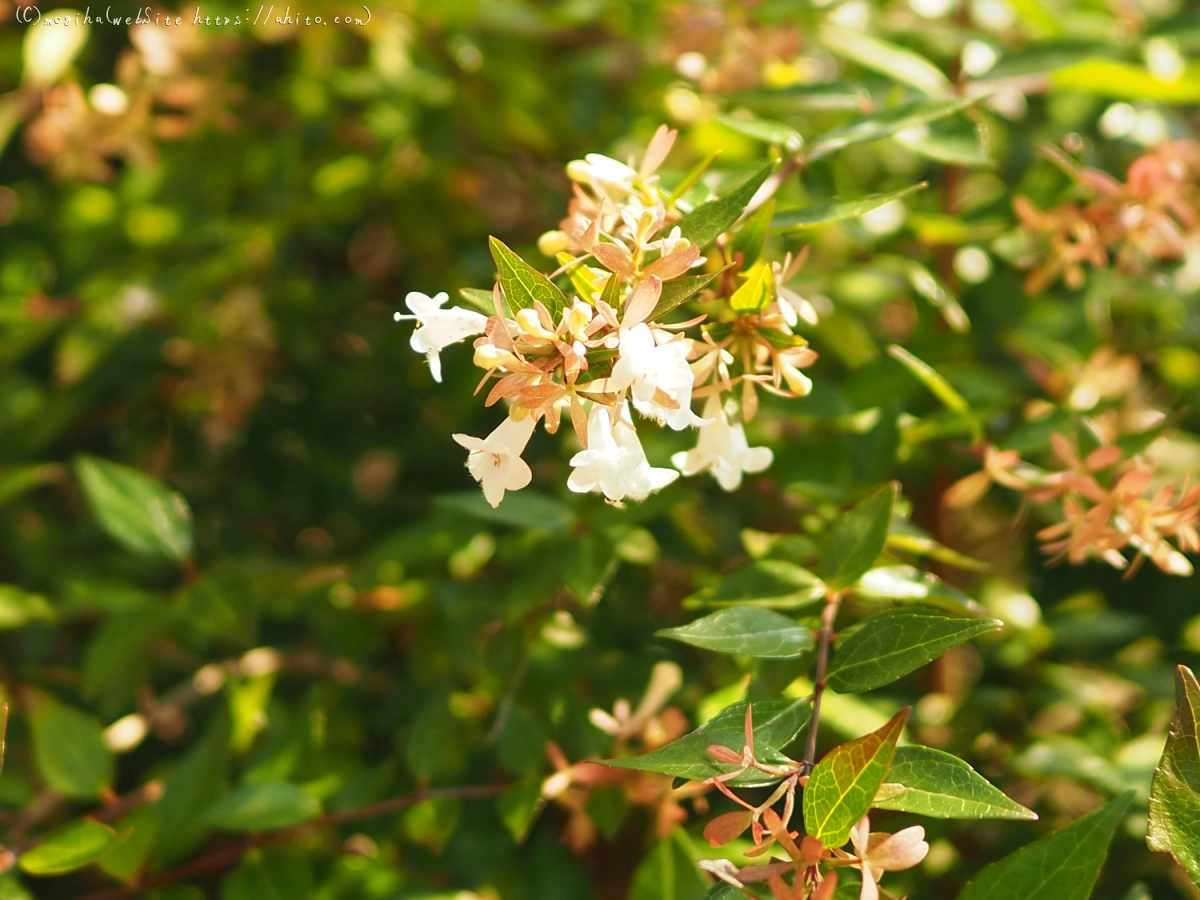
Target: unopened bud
[[553, 242], [489, 356], [798, 383]]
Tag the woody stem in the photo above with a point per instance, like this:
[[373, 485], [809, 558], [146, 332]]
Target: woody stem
[[823, 637]]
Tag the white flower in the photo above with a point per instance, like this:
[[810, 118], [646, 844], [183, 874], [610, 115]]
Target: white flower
[[439, 328], [614, 461], [603, 173], [495, 461], [723, 450], [658, 376]]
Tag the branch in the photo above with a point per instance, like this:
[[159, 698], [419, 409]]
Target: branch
[[832, 602], [230, 855]]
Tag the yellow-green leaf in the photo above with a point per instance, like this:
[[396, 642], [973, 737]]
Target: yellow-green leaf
[[70, 847], [1175, 792], [523, 284], [844, 783]]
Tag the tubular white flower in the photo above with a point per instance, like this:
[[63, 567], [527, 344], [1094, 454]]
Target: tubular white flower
[[723, 450], [495, 461], [614, 462], [439, 328], [603, 173], [650, 370]]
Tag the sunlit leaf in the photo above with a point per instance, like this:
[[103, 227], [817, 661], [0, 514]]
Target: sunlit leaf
[[765, 130], [747, 630], [523, 284], [70, 847], [69, 748], [707, 221], [888, 59], [886, 122], [1175, 792], [844, 783], [895, 642], [769, 583], [941, 786], [1111, 78], [263, 806]]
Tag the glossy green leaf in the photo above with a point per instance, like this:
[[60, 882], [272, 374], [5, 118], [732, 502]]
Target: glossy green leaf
[[941, 786], [765, 130], [668, 872], [1175, 792], [70, 847], [769, 583], [747, 630], [263, 806], [895, 642], [751, 237], [836, 210], [70, 751], [136, 510], [707, 221], [887, 122], [906, 584], [678, 291], [520, 804], [856, 539], [844, 783], [912, 540], [19, 608], [899, 63], [523, 284], [776, 724], [1063, 865]]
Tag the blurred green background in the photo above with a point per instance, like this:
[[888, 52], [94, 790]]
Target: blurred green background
[[198, 271]]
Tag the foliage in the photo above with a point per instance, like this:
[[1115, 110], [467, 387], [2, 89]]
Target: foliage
[[922, 275]]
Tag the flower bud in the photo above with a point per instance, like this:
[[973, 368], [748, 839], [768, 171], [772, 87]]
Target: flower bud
[[553, 242]]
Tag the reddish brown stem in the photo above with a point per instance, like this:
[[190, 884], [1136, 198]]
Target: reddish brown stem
[[832, 602]]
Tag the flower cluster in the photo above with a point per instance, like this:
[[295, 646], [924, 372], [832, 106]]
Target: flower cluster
[[1109, 505], [603, 349], [1153, 216]]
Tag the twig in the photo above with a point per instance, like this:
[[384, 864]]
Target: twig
[[226, 857], [832, 602]]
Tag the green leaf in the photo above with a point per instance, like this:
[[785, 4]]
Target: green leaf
[[679, 290], [837, 210], [1121, 80], [844, 783], [748, 630], [765, 130], [709, 220], [942, 786], [1175, 791], [887, 122], [776, 724], [70, 847], [856, 539], [1044, 57], [907, 585], [527, 509], [756, 293], [263, 806], [919, 544], [955, 140], [752, 235], [938, 386], [895, 642], [523, 284], [888, 59], [16, 480], [520, 804], [138, 832], [273, 873], [479, 299], [136, 510], [769, 583], [70, 751], [668, 872], [18, 608], [1063, 865]]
